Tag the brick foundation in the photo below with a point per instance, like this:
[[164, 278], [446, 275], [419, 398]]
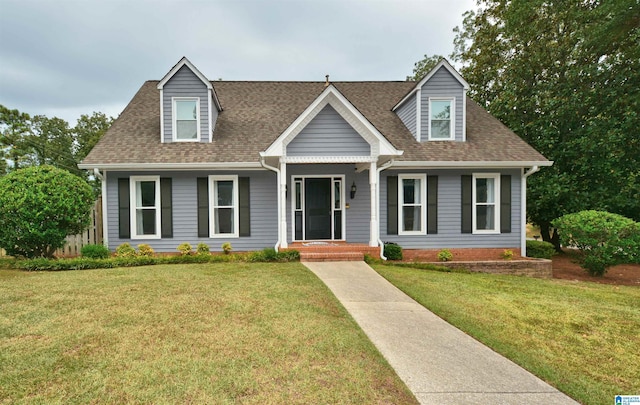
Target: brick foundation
[[485, 261]]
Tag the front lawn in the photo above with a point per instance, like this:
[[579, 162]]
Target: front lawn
[[582, 338], [198, 333]]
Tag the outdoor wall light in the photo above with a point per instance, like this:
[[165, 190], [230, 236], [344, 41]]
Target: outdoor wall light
[[353, 190]]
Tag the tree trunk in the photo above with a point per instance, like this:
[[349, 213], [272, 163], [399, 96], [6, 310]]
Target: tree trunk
[[550, 236]]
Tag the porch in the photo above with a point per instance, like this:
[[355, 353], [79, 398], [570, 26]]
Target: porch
[[332, 251]]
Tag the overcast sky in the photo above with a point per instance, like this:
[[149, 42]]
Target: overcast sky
[[64, 58]]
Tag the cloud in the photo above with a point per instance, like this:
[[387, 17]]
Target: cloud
[[73, 56]]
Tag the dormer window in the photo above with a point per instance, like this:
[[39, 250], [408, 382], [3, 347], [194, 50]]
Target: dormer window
[[186, 119], [441, 111]]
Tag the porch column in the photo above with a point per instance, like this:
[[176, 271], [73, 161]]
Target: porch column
[[283, 205], [373, 184]]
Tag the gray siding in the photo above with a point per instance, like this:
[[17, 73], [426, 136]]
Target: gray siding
[[263, 212], [441, 84], [407, 114], [186, 84], [449, 215], [328, 134], [357, 215]]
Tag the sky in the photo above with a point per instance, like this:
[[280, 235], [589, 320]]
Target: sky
[[65, 58]]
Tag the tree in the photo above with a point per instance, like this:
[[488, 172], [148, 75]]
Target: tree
[[565, 76], [88, 131], [14, 127], [422, 67], [39, 207]]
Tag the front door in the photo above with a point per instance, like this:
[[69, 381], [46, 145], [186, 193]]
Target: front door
[[317, 198], [317, 208]]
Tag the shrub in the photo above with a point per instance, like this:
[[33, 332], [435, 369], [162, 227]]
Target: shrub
[[392, 251], [226, 248], [507, 254], [540, 249], [125, 250], [95, 251], [145, 250], [605, 239], [289, 256], [184, 248], [445, 255], [202, 249], [39, 207]]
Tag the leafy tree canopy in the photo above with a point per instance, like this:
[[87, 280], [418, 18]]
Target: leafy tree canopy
[[39, 207], [565, 76], [422, 67], [34, 141]]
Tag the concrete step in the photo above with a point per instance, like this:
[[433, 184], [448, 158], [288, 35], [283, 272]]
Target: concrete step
[[331, 256]]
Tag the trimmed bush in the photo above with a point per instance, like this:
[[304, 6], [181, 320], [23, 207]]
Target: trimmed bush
[[392, 251], [184, 248], [145, 250], [39, 207], [125, 250], [95, 251], [226, 248], [540, 249], [604, 239], [445, 255], [507, 254], [202, 249]]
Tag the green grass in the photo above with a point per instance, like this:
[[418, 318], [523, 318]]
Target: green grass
[[198, 333], [582, 338]]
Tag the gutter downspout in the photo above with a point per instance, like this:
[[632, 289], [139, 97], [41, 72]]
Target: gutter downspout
[[523, 213], [380, 169], [103, 184], [274, 169]]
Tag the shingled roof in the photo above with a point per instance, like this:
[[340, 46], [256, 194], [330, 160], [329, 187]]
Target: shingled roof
[[256, 113]]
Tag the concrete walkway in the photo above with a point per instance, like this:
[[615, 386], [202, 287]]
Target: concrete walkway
[[439, 363]]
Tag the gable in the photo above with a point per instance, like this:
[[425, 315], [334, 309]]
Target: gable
[[442, 85], [328, 134], [186, 84]]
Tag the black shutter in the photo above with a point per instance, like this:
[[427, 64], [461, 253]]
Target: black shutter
[[166, 208], [467, 204], [203, 207], [392, 205], [124, 214], [432, 204], [505, 204], [244, 206]]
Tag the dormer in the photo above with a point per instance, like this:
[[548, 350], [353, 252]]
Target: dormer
[[189, 106], [435, 109]]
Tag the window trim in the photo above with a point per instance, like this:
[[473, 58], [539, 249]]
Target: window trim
[[422, 177], [174, 119], [133, 208], [212, 206], [452, 118], [496, 203]]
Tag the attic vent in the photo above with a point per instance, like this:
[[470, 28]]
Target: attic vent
[[326, 83]]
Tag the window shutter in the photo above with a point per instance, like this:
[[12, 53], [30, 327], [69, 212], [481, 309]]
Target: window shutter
[[124, 215], [505, 204], [166, 208], [467, 204], [244, 206], [392, 205], [203, 207], [432, 204]]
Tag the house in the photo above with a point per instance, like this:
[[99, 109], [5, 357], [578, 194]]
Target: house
[[263, 164]]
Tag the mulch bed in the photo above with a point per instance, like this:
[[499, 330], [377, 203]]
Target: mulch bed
[[565, 268]]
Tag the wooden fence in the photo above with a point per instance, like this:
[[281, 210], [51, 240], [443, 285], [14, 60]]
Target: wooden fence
[[91, 235]]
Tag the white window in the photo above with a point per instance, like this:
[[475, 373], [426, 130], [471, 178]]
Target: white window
[[186, 119], [486, 203], [223, 207], [145, 207], [412, 198], [441, 119]]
